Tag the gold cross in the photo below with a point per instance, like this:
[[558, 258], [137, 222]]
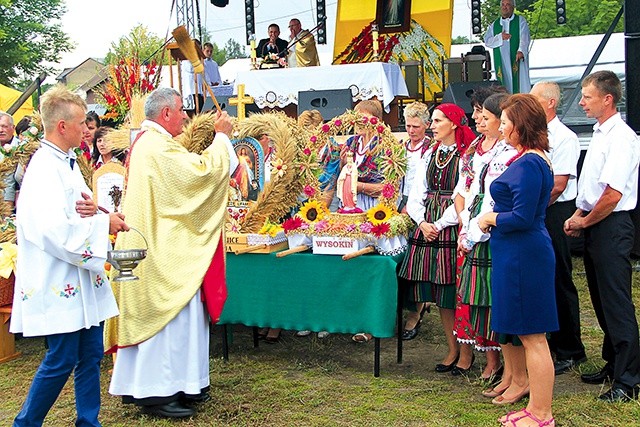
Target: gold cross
[[241, 101]]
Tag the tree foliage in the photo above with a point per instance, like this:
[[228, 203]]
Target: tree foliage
[[30, 36], [233, 50], [140, 44], [583, 16]]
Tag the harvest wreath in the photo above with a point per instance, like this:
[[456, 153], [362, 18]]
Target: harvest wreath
[[381, 226]]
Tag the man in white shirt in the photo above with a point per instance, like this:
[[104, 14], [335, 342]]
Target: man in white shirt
[[564, 152], [509, 38], [607, 192], [61, 289]]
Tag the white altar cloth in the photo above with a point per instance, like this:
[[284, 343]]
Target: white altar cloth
[[280, 87]]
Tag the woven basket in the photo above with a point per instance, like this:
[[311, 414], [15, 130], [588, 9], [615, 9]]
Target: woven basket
[[6, 290]]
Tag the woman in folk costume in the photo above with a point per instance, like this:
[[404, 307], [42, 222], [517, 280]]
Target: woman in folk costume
[[487, 161], [430, 261]]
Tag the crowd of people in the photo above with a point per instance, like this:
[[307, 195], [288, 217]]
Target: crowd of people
[[493, 210]]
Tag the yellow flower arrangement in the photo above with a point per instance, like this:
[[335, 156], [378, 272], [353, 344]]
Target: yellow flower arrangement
[[270, 229], [379, 213], [8, 257], [312, 211]]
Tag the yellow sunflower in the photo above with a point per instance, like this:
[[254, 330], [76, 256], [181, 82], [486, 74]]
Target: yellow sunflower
[[312, 211], [379, 214]]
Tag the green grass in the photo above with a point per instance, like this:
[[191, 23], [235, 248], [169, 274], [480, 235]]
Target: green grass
[[311, 382]]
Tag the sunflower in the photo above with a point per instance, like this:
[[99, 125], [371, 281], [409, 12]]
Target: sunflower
[[312, 211], [379, 214]]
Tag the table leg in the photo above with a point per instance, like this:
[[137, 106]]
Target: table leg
[[225, 344], [401, 294], [376, 357], [255, 331]]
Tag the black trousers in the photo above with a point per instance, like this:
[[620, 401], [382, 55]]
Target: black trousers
[[566, 342], [607, 261]]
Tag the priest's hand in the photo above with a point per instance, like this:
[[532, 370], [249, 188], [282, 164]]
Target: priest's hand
[[223, 123], [116, 223], [86, 207]]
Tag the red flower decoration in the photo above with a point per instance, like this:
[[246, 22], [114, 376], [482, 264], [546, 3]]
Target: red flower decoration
[[326, 128], [307, 152], [292, 224], [309, 191], [373, 120], [380, 229], [338, 122], [313, 138], [380, 129], [388, 191]]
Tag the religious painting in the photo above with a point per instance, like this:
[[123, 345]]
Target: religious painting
[[108, 186], [247, 181], [393, 16]]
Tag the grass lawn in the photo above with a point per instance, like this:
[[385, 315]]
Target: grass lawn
[[312, 382]]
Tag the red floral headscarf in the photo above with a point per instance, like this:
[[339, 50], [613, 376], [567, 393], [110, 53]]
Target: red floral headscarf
[[464, 134]]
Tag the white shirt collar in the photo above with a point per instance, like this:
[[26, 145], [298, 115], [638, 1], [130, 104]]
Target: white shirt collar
[[150, 124], [608, 124]]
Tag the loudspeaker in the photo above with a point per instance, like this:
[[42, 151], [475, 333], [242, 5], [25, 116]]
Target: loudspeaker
[[459, 93], [330, 103], [224, 104]]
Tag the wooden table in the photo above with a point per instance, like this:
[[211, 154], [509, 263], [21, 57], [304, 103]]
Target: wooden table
[[7, 340]]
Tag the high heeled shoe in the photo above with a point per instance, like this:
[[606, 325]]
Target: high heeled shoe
[[442, 368], [457, 370], [501, 400], [409, 334]]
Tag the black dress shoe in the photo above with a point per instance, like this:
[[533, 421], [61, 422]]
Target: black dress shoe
[[441, 368], [598, 377], [192, 399], [457, 370], [561, 366], [619, 394], [409, 334], [169, 410]]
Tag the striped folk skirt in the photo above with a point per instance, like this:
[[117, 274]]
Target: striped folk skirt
[[474, 289]]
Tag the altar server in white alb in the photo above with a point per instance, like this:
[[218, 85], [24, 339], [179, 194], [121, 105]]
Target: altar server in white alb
[[509, 38], [61, 290]]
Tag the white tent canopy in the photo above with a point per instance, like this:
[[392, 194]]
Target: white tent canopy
[[564, 60]]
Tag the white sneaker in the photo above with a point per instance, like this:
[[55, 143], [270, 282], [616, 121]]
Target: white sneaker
[[323, 334], [304, 333]]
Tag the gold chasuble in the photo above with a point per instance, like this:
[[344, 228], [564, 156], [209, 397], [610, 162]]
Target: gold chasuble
[[177, 200], [305, 50]]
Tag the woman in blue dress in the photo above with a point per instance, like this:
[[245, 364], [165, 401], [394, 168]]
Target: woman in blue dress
[[523, 261]]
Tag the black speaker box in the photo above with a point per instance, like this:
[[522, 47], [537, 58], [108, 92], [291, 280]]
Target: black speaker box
[[231, 109], [330, 103], [459, 93]]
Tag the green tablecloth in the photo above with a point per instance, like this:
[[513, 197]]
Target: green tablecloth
[[315, 292]]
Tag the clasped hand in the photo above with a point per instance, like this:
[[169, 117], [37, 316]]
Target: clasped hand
[[573, 226], [429, 231]]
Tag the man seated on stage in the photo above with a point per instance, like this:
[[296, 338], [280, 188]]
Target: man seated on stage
[[177, 200], [272, 44], [302, 52]]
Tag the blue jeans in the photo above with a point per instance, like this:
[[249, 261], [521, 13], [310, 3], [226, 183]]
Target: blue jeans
[[79, 352]]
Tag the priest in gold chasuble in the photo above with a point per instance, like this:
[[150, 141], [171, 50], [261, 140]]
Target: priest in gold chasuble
[[177, 200]]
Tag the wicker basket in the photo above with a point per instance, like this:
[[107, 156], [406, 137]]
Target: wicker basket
[[6, 290]]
